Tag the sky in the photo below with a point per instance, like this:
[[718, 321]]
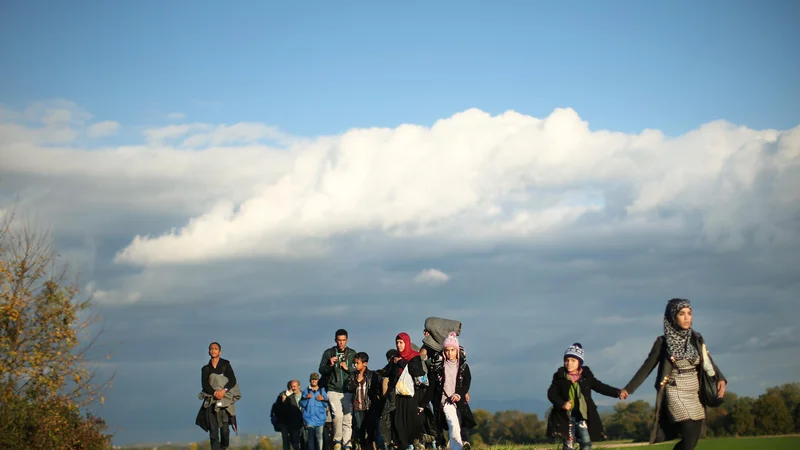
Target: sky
[[261, 174]]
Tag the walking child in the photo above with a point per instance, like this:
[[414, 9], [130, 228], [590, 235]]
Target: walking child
[[363, 385], [449, 384], [574, 416]]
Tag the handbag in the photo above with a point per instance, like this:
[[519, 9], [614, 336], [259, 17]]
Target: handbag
[[405, 384], [709, 396]]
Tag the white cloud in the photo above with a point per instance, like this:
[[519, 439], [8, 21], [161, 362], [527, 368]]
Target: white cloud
[[471, 179], [103, 129], [157, 135], [432, 276], [240, 133], [176, 116], [51, 122]]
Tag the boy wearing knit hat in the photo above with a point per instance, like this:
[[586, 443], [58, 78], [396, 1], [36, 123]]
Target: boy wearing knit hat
[[574, 416]]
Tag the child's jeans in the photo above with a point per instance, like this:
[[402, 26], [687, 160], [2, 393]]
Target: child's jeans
[[360, 427], [453, 426], [578, 432]]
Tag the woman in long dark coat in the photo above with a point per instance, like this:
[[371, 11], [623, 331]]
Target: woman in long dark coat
[[680, 354], [407, 418]]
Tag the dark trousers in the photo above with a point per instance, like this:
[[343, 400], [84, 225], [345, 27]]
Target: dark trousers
[[286, 438], [327, 436], [296, 438], [219, 433], [359, 428], [690, 434]]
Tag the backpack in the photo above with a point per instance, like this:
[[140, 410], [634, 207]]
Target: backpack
[[273, 416]]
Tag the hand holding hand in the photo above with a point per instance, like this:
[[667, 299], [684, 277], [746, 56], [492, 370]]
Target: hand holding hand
[[567, 406], [466, 397], [721, 388], [623, 394]]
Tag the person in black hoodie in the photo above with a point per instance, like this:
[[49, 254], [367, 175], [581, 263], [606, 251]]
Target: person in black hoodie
[[574, 416]]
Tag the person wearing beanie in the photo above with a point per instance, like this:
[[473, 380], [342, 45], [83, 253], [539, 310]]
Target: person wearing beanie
[[574, 416], [680, 354], [450, 383]]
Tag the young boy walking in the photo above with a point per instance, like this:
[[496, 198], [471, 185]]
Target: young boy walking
[[363, 385], [574, 416]]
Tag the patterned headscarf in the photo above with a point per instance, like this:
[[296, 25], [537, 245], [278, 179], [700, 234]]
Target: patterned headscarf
[[678, 339]]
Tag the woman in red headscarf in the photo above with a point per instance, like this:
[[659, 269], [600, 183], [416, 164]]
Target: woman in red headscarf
[[407, 414]]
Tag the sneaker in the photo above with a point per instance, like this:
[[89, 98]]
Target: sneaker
[[466, 446], [337, 446]]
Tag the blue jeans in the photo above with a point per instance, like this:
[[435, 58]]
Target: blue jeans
[[314, 437], [578, 432]]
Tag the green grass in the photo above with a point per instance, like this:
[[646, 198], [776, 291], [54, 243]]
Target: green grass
[[743, 443]]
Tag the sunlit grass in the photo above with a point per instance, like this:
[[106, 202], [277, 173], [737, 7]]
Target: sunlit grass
[[744, 443]]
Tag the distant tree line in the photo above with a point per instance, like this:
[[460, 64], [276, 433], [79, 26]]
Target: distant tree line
[[777, 411]]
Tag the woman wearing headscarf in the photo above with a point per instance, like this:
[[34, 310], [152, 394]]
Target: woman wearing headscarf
[[680, 354], [407, 419]]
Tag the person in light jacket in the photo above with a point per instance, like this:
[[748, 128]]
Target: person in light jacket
[[314, 402]]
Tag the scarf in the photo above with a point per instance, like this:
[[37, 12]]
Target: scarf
[[408, 353], [678, 339], [574, 377], [450, 377]]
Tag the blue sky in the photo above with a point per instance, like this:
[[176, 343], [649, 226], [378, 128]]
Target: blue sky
[[623, 65], [366, 166]]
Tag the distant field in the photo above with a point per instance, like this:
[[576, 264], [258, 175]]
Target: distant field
[[744, 443]]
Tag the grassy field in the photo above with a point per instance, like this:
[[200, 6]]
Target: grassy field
[[744, 443]]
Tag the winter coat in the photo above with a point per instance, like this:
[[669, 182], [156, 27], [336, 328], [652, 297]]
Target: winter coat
[[334, 378], [290, 413], [434, 394], [558, 394], [314, 410], [663, 428]]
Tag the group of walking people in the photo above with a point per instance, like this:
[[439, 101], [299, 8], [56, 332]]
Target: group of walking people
[[422, 392], [408, 403]]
